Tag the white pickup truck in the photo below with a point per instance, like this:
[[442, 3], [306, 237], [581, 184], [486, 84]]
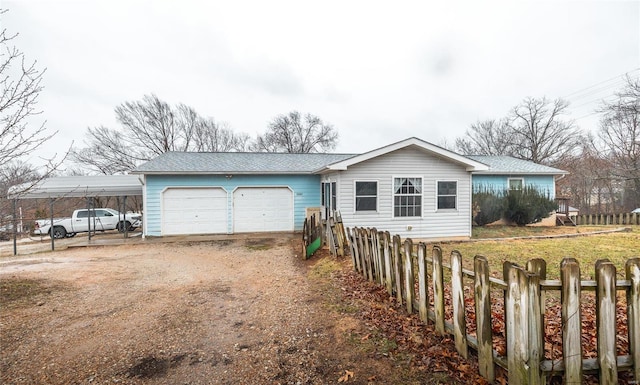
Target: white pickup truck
[[100, 220]]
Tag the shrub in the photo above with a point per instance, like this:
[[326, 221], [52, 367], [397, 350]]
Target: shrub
[[527, 206], [488, 207], [521, 207]]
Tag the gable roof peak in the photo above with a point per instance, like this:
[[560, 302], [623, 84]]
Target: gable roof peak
[[471, 165]]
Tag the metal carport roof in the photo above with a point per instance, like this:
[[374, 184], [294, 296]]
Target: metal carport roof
[[79, 186]]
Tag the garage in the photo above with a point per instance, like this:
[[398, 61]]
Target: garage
[[194, 211], [258, 209]]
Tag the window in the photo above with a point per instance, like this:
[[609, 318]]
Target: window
[[447, 193], [366, 196], [329, 198], [334, 201], [516, 184], [407, 197]]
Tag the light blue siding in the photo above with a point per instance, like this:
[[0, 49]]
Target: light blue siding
[[305, 188], [543, 183]]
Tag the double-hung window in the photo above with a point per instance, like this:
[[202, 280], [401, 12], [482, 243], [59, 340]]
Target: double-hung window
[[366, 196], [516, 184], [447, 194], [407, 197]]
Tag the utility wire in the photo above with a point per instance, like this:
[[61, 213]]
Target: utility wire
[[616, 78]]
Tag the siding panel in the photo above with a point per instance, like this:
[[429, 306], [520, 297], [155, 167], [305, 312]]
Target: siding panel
[[306, 193], [543, 183], [407, 162]]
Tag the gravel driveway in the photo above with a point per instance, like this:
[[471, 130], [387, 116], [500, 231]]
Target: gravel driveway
[[221, 312]]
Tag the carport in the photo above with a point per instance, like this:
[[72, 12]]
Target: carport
[[88, 187]]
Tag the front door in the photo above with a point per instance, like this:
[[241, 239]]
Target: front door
[[329, 198]]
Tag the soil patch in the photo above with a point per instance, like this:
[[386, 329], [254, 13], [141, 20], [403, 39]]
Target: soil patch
[[224, 312]]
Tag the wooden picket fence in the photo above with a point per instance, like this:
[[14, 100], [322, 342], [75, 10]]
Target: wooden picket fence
[[409, 275], [607, 219]]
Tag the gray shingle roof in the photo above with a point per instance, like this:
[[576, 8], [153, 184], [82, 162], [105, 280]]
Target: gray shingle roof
[[510, 165], [237, 163]]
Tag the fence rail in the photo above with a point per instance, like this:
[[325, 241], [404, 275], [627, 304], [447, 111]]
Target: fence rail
[[411, 277], [607, 219]]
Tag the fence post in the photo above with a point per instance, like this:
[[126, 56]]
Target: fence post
[[536, 325], [438, 289], [363, 261], [408, 274], [571, 321], [457, 297], [367, 254], [517, 325], [632, 269], [387, 262], [381, 260], [537, 266], [606, 321], [373, 247], [422, 282], [506, 267], [354, 247], [482, 291], [397, 267]]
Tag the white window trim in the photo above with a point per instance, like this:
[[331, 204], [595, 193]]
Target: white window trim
[[393, 194], [509, 182], [355, 211], [329, 180], [437, 195]]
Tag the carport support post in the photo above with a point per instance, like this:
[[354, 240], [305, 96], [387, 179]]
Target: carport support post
[[14, 222], [89, 217], [124, 217], [53, 244]]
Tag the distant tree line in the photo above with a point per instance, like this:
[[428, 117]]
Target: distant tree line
[[150, 127], [604, 168]]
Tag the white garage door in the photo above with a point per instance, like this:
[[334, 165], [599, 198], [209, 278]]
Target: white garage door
[[194, 211], [262, 209]]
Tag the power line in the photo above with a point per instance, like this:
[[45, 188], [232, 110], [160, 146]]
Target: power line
[[598, 90], [616, 78]]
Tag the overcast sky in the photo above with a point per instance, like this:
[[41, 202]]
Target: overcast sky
[[379, 72]]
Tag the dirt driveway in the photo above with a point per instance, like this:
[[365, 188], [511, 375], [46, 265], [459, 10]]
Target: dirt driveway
[[219, 312]]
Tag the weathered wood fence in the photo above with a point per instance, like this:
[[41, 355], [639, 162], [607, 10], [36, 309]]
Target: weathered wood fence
[[607, 219], [408, 273]]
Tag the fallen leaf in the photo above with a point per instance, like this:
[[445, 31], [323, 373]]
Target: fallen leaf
[[347, 375]]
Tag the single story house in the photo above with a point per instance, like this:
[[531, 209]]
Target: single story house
[[412, 188]]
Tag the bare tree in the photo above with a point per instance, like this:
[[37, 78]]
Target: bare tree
[[620, 134], [589, 183], [539, 132], [150, 127], [487, 137], [210, 136], [293, 133], [13, 173], [22, 133], [20, 87], [534, 130]]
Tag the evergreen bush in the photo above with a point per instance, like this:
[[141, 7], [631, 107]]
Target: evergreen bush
[[527, 206], [521, 207], [489, 207]]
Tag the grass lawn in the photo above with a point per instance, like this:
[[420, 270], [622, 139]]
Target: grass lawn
[[617, 247]]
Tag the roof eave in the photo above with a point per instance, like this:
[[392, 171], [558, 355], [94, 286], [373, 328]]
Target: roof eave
[[489, 172], [178, 172]]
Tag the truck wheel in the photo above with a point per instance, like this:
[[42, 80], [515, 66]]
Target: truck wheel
[[71, 235], [124, 225], [58, 232]]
